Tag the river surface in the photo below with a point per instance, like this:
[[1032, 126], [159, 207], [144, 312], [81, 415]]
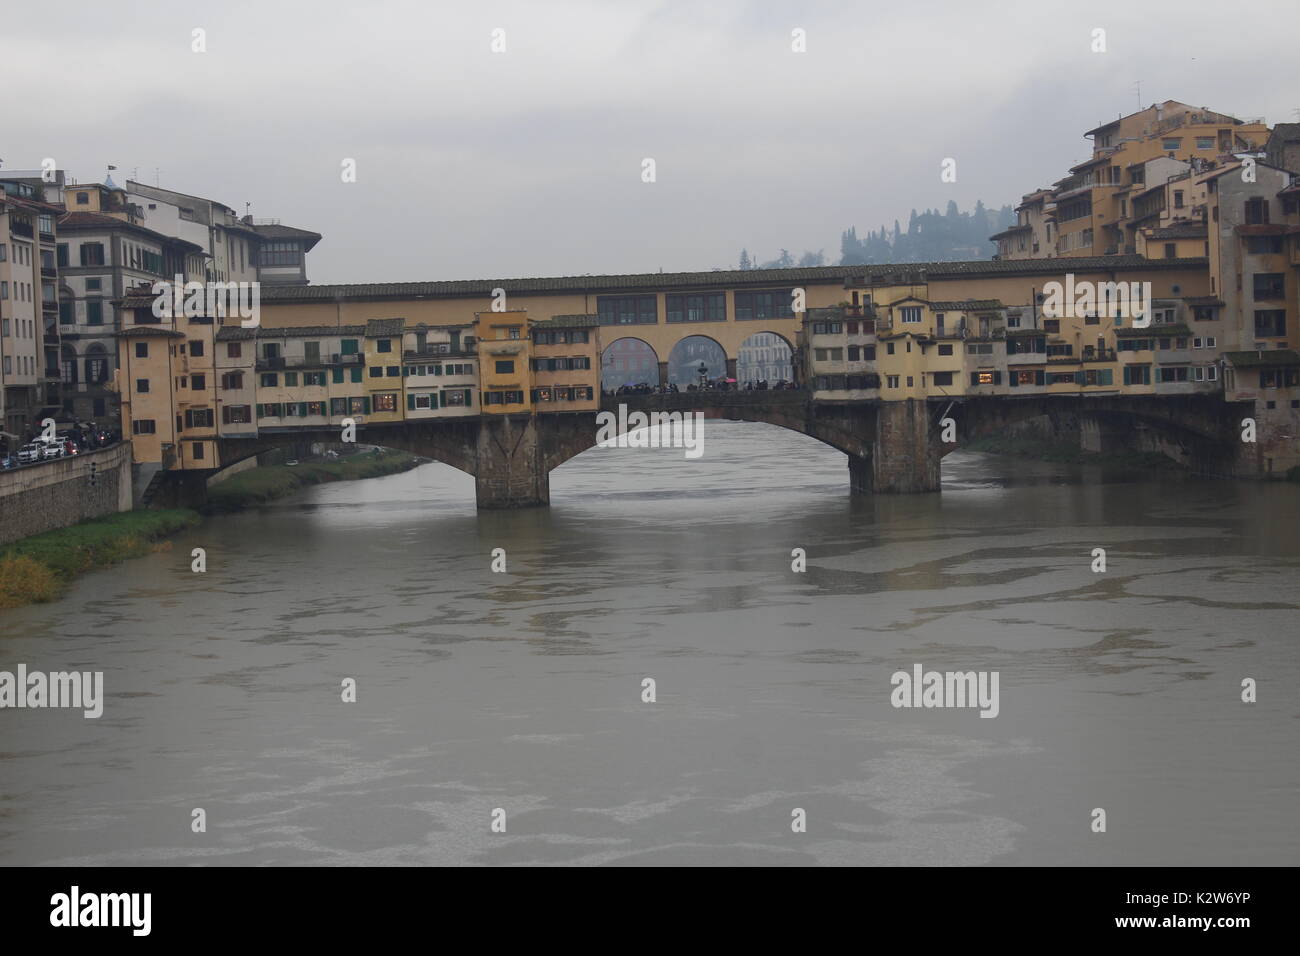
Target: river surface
[[523, 691]]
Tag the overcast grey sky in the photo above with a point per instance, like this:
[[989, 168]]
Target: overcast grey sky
[[479, 164]]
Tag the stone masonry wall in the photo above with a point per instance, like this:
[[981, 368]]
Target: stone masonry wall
[[58, 493]]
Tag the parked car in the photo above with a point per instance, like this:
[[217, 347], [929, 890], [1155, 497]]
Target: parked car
[[8, 461], [51, 449], [29, 453]]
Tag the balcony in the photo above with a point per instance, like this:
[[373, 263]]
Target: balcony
[[51, 338], [17, 228], [1093, 354], [50, 307], [437, 350], [351, 358], [49, 272]]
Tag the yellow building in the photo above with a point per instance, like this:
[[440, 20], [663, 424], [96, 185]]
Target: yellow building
[[566, 364], [385, 396], [505, 362]]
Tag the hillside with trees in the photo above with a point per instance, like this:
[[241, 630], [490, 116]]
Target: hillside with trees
[[931, 236]]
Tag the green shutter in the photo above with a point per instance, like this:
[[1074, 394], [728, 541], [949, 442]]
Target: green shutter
[[410, 402], [1040, 377], [365, 404], [469, 398], [1106, 377], [1012, 379], [433, 400], [437, 370], [1080, 378], [337, 375], [302, 409], [261, 411], [356, 374]]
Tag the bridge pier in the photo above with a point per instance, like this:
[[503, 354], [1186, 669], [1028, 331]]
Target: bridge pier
[[510, 471], [905, 453]]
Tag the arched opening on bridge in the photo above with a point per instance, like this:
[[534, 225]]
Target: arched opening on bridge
[[628, 361], [689, 354], [764, 357]]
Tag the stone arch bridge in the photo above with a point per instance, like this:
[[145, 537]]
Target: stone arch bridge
[[891, 447]]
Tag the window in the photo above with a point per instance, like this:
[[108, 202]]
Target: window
[[376, 371], [627, 310], [1256, 212], [94, 312], [92, 253], [1263, 245], [349, 347], [394, 371], [269, 410], [1270, 322], [198, 450], [854, 352], [1269, 285], [1137, 374], [889, 348], [1171, 250], [1178, 199], [277, 253], [512, 332], [767, 304], [1205, 142], [198, 418], [458, 397], [142, 385], [911, 314], [708, 307], [314, 378], [945, 349], [942, 378], [198, 382], [385, 402], [143, 426], [338, 406], [1172, 373], [505, 367], [1172, 142], [421, 401], [270, 380], [354, 374], [384, 345], [93, 285], [236, 414], [233, 350], [196, 347], [141, 349], [290, 379]]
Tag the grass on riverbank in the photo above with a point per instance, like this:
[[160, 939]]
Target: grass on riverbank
[[36, 569], [1068, 453], [258, 485]]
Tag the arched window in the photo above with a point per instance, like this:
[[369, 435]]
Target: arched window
[[68, 366], [96, 364]]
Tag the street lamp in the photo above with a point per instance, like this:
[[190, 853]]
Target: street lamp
[[704, 374]]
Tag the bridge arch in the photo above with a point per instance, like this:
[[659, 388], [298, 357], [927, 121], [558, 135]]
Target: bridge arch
[[765, 359], [628, 360], [687, 354]]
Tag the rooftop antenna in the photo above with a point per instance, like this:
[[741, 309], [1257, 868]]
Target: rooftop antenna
[[1137, 87], [155, 176]]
